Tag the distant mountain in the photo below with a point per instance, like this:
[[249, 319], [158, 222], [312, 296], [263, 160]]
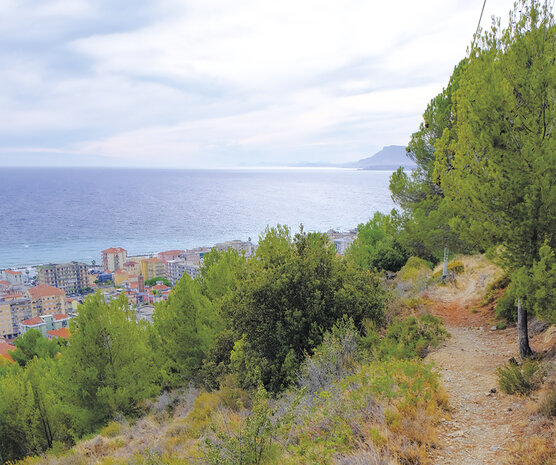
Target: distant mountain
[[390, 157]]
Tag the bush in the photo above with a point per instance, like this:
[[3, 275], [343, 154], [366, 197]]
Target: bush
[[506, 307], [111, 430], [494, 287], [412, 337], [548, 403], [333, 359], [454, 268], [520, 379]]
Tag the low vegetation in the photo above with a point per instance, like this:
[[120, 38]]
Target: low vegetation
[[522, 379]]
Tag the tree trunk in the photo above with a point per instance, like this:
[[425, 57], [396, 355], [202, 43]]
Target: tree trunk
[[445, 265], [522, 333]]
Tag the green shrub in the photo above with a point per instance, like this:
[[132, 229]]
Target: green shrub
[[494, 287], [111, 430], [506, 307], [454, 268], [412, 337], [520, 379]]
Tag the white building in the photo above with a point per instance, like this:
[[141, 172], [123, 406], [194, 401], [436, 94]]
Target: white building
[[15, 278]]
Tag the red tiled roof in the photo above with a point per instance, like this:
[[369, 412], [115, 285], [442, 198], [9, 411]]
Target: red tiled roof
[[5, 348], [60, 332], [60, 316], [171, 252], [37, 320], [12, 272], [130, 263], [114, 250], [4, 283], [42, 290]]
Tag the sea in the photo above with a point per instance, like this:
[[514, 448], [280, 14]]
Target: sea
[[55, 215]]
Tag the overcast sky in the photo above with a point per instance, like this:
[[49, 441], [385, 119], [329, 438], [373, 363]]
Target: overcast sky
[[213, 83]]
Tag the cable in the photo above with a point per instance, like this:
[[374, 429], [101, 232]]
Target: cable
[[478, 25]]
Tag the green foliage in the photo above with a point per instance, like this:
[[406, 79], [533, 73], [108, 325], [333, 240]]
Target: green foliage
[[32, 344], [333, 359], [111, 430], [109, 365], [520, 379], [185, 325], [412, 337], [501, 153], [427, 213], [494, 288], [153, 281], [294, 291], [506, 307], [32, 412], [377, 245], [220, 273], [250, 443], [537, 285]]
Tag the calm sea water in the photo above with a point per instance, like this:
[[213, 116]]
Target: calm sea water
[[63, 214]]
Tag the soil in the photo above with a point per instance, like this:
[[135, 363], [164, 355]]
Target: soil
[[482, 423]]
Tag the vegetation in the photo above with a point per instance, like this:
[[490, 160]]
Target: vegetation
[[501, 155], [514, 378], [156, 279], [292, 345]]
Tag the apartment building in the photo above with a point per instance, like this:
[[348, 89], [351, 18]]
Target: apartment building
[[71, 277], [152, 268], [194, 256], [237, 245], [47, 300], [113, 258], [132, 268], [13, 310], [176, 268], [170, 254], [44, 324], [15, 278]]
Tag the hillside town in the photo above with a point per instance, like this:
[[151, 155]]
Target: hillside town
[[45, 298]]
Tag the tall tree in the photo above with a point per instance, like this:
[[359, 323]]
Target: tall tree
[[377, 244], [32, 344], [427, 231], [185, 325], [502, 176], [108, 364]]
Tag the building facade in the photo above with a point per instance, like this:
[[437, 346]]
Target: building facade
[[153, 268], [170, 254], [44, 323], [12, 312], [70, 277], [114, 258], [15, 278], [47, 300], [176, 268]]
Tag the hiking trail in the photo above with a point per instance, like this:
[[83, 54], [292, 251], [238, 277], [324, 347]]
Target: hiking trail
[[482, 421]]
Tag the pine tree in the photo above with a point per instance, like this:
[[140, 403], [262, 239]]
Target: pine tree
[[502, 177]]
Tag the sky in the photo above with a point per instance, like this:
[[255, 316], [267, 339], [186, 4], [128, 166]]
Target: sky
[[214, 83]]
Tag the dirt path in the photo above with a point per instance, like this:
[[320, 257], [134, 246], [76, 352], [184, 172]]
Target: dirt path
[[479, 428]]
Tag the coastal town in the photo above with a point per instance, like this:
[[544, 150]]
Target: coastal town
[[45, 298]]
